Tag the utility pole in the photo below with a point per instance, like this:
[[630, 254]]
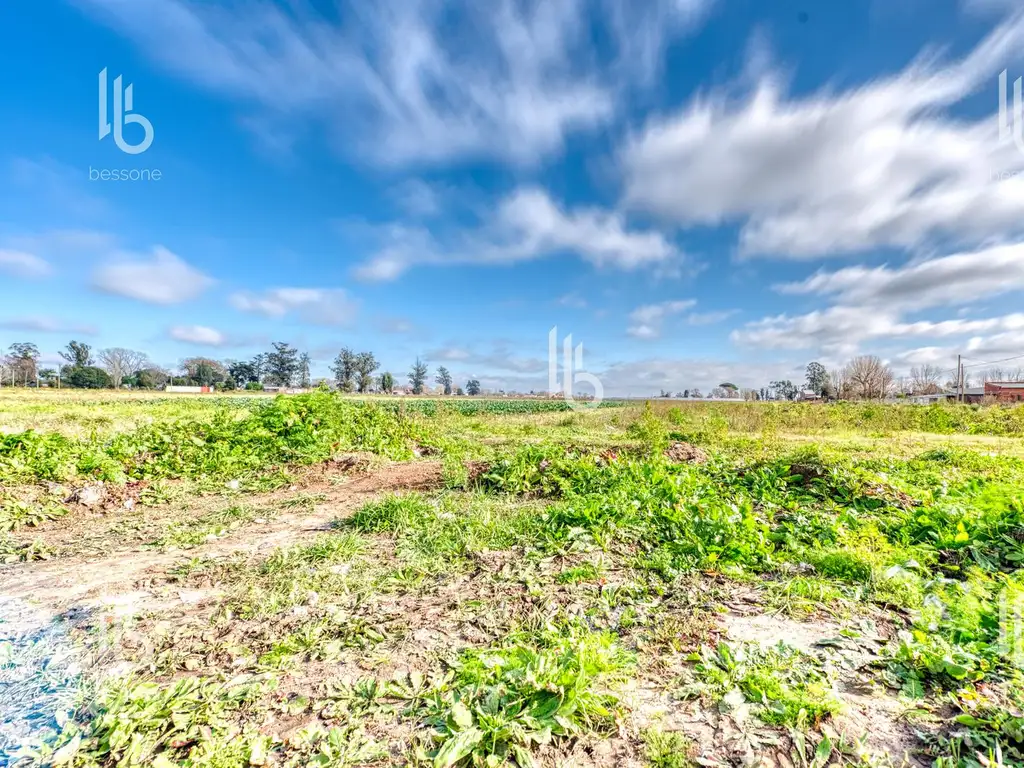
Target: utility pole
[[959, 380]]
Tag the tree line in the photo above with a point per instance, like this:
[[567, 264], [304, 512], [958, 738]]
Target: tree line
[[866, 377], [281, 366]]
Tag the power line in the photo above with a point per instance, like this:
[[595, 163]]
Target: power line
[[993, 362]]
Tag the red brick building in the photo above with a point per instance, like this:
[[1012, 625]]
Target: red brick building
[[1005, 391]]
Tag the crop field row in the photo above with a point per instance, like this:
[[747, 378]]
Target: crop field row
[[318, 580]]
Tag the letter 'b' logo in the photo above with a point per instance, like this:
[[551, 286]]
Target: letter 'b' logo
[[122, 108]]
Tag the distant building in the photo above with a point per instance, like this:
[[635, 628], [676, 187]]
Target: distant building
[[970, 395], [808, 394], [181, 389], [936, 397], [1005, 391]]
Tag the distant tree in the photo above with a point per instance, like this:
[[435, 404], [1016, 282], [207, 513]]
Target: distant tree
[[344, 368], [868, 378], [87, 377], [473, 387], [444, 378], [47, 375], [365, 364], [243, 372], [695, 393], [119, 363], [387, 382], [784, 389], [418, 376], [686, 394], [817, 378], [282, 364], [728, 385], [460, 391], [152, 377], [203, 371], [924, 379], [77, 353], [304, 363], [259, 366], [21, 361]]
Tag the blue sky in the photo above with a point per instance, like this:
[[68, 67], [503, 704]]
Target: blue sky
[[697, 190]]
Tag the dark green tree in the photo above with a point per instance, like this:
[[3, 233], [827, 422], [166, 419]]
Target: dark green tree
[[87, 377], [77, 353], [344, 368], [242, 372], [365, 364], [817, 378], [444, 378], [473, 387], [387, 382], [282, 364], [418, 376]]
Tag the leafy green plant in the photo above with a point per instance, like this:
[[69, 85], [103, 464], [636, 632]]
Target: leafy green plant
[[531, 690], [667, 749], [787, 686]]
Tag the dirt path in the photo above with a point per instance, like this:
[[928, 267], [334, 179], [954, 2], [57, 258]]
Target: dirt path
[[115, 579]]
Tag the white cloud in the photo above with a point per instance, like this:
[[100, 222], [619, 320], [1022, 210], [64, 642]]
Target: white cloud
[[841, 330], [164, 278], [527, 225], [950, 280], [709, 318], [883, 164], [45, 324], [414, 81], [646, 322], [572, 301], [22, 264], [317, 306], [476, 363], [198, 334], [874, 303], [397, 325]]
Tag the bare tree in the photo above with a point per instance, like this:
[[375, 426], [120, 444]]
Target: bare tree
[[838, 383], [924, 379], [119, 363], [868, 377], [1003, 374]]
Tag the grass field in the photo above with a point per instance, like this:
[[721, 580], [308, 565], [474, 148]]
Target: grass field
[[320, 580]]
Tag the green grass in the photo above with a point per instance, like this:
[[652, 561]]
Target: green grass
[[511, 616]]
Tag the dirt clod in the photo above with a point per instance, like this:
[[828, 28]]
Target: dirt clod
[[90, 495], [685, 453]]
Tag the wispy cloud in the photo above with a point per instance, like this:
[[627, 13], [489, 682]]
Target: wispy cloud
[[317, 306], [882, 164], [646, 322], [46, 324], [527, 225], [22, 264], [415, 82]]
